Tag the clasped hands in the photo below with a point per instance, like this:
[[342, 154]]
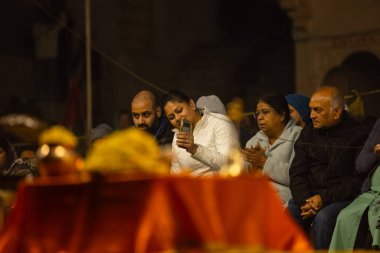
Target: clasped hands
[[377, 150], [186, 141], [255, 156], [312, 206]]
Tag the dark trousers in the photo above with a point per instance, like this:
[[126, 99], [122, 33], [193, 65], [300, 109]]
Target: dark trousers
[[364, 237], [321, 226]]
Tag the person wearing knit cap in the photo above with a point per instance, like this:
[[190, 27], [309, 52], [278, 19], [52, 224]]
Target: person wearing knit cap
[[299, 108], [99, 132], [212, 103]]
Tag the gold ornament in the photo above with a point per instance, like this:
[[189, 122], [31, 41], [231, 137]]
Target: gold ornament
[[56, 155], [58, 135], [58, 160]]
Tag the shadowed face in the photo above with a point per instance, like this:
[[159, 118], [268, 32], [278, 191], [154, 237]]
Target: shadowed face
[[296, 116], [3, 157], [124, 121], [175, 111], [144, 115], [268, 119]]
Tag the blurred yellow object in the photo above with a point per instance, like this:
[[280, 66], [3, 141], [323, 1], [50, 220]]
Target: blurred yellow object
[[357, 107], [235, 110], [235, 165], [56, 155], [128, 151], [58, 135], [58, 160]]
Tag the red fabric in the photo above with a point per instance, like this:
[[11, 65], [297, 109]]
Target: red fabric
[[150, 215]]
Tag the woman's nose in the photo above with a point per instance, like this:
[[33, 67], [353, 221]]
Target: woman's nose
[[177, 117]]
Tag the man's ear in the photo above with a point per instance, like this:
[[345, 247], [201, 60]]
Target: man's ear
[[337, 113], [158, 111], [192, 104]]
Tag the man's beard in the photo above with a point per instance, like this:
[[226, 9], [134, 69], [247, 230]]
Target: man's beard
[[146, 128]]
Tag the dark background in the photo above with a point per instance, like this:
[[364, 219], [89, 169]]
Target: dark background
[[228, 48]]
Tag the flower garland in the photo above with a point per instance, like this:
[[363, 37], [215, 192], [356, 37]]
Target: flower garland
[[130, 150]]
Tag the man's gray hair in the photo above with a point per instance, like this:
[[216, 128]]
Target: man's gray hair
[[337, 99]]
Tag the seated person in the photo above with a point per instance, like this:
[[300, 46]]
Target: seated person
[[99, 132], [123, 120], [206, 148], [323, 179], [352, 223], [271, 149], [299, 108], [10, 165], [214, 104], [147, 116]]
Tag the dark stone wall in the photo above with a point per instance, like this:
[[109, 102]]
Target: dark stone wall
[[227, 48]]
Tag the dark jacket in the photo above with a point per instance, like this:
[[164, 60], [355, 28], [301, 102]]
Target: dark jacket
[[367, 161], [324, 162], [20, 168], [15, 166], [164, 134]]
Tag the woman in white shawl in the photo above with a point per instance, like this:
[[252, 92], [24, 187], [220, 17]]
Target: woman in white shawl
[[271, 149], [205, 149]]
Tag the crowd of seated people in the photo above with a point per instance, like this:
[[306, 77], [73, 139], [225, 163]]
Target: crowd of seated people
[[306, 147]]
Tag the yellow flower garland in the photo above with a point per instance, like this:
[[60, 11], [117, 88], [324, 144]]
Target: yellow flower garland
[[131, 150]]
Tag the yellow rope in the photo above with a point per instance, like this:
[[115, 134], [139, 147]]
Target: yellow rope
[[357, 106], [356, 94]]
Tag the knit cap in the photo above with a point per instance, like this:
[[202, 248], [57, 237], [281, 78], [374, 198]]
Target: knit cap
[[301, 104], [100, 131], [212, 103]]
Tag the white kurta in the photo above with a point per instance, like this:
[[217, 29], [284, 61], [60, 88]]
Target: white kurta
[[215, 136]]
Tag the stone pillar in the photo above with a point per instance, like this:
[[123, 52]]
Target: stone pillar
[[326, 32]]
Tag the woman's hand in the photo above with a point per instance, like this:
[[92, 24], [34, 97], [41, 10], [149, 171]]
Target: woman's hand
[[186, 141], [256, 156]]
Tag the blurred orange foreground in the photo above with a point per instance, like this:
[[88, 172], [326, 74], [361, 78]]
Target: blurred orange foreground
[[150, 215]]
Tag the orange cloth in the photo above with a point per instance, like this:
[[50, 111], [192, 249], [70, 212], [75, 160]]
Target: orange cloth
[[150, 215]]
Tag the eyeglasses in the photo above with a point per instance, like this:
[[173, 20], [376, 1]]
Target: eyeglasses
[[263, 112]]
